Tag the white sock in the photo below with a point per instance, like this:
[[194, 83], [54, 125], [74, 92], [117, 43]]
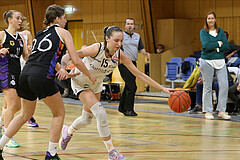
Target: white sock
[[71, 130], [3, 141], [109, 145], [3, 109], [52, 148]]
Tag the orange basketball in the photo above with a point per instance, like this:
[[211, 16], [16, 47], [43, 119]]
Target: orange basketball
[[179, 101]]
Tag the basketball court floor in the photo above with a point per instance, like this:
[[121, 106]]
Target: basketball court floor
[[155, 134]]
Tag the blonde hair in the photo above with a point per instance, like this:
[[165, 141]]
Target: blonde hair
[[25, 24], [8, 14]]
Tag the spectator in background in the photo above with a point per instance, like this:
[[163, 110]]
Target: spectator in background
[[199, 92], [214, 42], [160, 48], [233, 48], [234, 90], [132, 44]]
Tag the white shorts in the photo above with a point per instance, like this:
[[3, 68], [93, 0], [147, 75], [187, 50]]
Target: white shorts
[[81, 83]]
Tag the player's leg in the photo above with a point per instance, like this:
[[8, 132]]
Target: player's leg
[[13, 105], [56, 105], [15, 125]]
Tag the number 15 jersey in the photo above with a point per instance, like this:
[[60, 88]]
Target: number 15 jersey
[[47, 51]]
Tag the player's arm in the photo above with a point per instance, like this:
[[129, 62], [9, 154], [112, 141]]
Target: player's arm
[[29, 42], [67, 38], [3, 51], [124, 59], [89, 51], [25, 52]]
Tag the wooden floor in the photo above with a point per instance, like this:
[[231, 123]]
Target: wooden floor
[[156, 134]]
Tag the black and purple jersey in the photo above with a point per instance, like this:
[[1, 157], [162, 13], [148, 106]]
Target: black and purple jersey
[[47, 50], [10, 63]]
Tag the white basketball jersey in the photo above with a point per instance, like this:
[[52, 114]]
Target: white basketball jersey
[[100, 65]]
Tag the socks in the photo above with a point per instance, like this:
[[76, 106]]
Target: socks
[[71, 130], [109, 145], [52, 148], [3, 141]]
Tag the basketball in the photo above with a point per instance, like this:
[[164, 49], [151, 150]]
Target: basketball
[[179, 101]]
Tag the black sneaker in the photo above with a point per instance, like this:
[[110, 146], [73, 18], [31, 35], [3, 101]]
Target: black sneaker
[[130, 113], [50, 157], [1, 158], [196, 109]]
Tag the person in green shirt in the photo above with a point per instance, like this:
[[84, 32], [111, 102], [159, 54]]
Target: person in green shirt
[[214, 42]]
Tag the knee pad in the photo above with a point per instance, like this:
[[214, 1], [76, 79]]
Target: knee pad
[[83, 120], [101, 117]]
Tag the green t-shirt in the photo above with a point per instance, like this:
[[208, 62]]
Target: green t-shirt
[[210, 43]]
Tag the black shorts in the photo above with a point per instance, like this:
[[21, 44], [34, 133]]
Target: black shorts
[[9, 81], [33, 87]]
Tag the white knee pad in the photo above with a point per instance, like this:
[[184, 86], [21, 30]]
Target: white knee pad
[[101, 117], [83, 120]]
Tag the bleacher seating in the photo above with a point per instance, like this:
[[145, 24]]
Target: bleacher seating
[[171, 70], [178, 60], [192, 61], [174, 67]]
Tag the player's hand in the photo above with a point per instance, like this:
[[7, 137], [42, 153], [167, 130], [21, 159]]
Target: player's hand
[[169, 90], [72, 74], [4, 51], [62, 74], [238, 88], [200, 80]]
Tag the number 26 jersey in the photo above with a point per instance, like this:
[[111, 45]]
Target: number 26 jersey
[[47, 51]]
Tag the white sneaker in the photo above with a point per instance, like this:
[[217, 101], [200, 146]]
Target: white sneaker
[[209, 115], [224, 115]]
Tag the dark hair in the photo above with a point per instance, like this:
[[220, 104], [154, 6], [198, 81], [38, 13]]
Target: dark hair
[[108, 32], [206, 27], [226, 34], [8, 14], [52, 12], [160, 45], [130, 19]]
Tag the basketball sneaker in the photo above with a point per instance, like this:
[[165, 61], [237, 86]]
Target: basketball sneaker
[[115, 155], [50, 157], [65, 138], [32, 123], [196, 109], [224, 115], [12, 143], [209, 115]]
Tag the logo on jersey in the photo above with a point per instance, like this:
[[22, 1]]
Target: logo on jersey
[[111, 66], [20, 43], [115, 59], [12, 43], [136, 38], [13, 82]]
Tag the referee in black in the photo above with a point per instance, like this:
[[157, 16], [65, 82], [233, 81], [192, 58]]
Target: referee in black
[[132, 44]]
